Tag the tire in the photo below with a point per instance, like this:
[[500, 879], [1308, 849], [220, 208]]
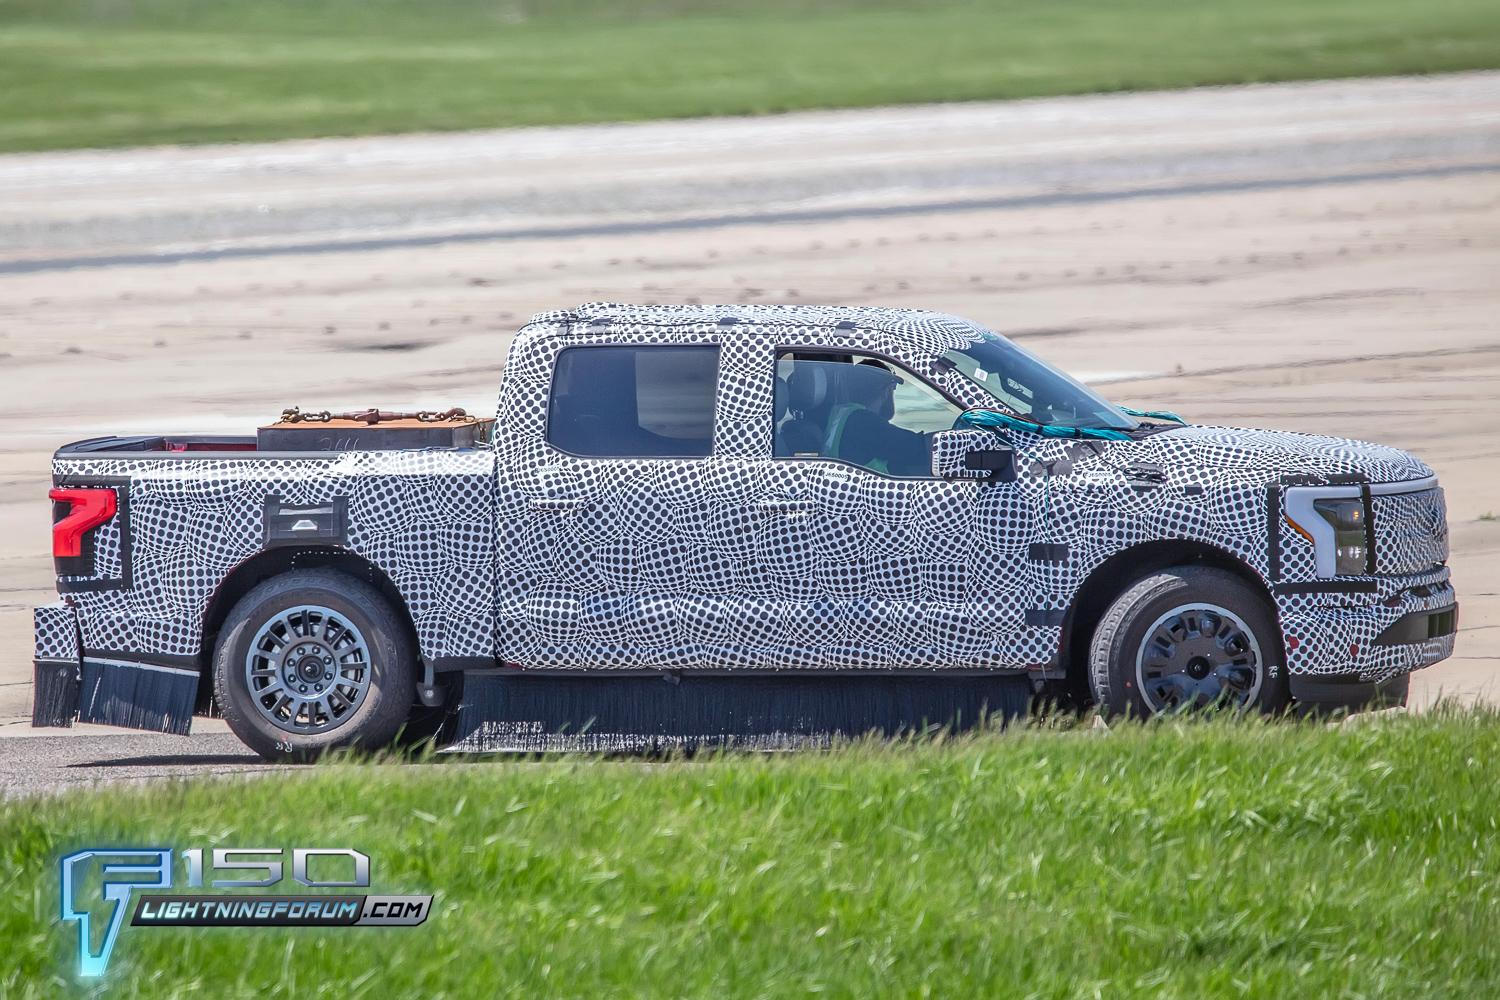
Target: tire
[[1187, 637], [342, 658]]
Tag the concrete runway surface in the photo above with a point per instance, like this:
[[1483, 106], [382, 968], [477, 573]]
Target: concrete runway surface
[[1321, 257]]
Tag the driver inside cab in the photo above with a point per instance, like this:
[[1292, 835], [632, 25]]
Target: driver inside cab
[[847, 412], [860, 429]]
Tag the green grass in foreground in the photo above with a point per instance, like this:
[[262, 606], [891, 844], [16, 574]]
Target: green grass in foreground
[[118, 72], [1177, 860]]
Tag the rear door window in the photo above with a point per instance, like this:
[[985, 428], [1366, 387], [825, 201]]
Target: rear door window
[[634, 402]]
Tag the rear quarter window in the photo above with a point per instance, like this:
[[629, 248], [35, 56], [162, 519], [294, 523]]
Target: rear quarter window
[[634, 402]]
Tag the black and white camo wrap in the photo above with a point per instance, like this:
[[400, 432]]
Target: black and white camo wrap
[[56, 632], [1413, 531], [740, 561], [948, 452], [422, 517], [707, 563], [1327, 636]]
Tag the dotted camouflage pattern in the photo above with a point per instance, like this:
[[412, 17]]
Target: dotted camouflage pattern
[[948, 452], [1413, 530], [109, 556], [56, 632], [423, 517], [740, 561], [1335, 636], [672, 563], [1335, 633]]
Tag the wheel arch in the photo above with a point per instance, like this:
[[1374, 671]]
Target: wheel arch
[[270, 563], [1110, 578]]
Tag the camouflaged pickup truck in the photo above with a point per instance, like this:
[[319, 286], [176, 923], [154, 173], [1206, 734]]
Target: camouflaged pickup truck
[[711, 495]]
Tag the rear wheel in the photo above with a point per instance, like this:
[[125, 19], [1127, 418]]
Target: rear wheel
[[313, 661], [1187, 638]]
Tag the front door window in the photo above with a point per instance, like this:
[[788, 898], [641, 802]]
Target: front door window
[[862, 410]]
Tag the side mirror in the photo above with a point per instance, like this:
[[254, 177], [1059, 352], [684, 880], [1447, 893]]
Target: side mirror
[[972, 454]]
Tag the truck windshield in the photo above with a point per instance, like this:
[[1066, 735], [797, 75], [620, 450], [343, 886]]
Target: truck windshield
[[1023, 384]]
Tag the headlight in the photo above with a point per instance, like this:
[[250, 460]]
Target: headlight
[[1350, 537]]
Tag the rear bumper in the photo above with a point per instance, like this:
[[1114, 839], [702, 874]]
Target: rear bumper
[[1369, 636], [69, 685]]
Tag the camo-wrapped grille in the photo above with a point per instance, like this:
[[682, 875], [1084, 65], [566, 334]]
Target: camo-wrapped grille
[[1411, 531]]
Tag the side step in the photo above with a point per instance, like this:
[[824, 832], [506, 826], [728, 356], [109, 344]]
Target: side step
[[594, 713]]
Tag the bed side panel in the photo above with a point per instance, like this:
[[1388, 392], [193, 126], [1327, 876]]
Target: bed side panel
[[424, 518]]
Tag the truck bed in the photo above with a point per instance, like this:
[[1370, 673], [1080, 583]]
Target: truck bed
[[279, 441], [145, 444], [196, 520]]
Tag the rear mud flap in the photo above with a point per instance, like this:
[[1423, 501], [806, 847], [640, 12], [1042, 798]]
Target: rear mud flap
[[137, 695], [54, 693], [54, 698]]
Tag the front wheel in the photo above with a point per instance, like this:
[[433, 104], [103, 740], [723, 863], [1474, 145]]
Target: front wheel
[[1184, 638], [313, 661]]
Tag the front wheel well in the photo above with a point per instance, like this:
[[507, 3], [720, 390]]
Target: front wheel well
[[273, 562], [1113, 576]]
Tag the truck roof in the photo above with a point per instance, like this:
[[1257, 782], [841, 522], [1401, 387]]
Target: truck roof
[[902, 322]]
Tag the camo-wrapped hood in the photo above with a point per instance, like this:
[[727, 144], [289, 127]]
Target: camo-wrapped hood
[[1267, 456]]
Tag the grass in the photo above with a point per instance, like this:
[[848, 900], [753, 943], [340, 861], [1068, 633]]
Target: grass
[[1175, 860], [122, 72]]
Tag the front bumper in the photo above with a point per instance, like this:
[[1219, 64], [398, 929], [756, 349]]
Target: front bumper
[[1370, 636], [69, 684]]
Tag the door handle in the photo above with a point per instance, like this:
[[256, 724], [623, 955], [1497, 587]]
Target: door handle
[[556, 503], [785, 506]]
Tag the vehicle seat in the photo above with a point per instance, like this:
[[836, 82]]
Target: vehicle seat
[[806, 395], [600, 422]]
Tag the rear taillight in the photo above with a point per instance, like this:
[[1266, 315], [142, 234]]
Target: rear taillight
[[88, 508]]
